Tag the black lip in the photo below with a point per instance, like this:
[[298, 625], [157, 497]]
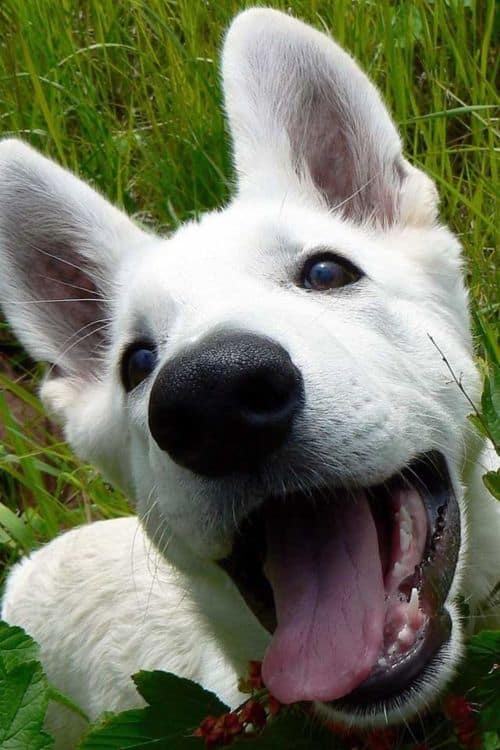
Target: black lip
[[384, 684], [429, 474]]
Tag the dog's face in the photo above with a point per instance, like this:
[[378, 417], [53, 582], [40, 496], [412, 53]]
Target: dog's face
[[272, 383]]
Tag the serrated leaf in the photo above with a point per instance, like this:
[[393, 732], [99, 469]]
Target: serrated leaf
[[125, 730], [16, 646], [177, 706], [137, 729], [23, 703], [492, 482], [166, 691]]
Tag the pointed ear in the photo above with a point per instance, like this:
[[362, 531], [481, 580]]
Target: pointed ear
[[60, 244], [305, 118]]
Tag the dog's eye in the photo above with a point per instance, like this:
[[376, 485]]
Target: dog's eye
[[138, 362], [327, 271]]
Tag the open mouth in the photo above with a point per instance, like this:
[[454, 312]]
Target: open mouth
[[352, 584]]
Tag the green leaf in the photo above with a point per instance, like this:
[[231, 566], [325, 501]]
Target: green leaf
[[16, 646], [138, 729], [17, 528], [492, 481], [488, 337], [479, 424], [490, 404], [128, 729], [485, 646], [491, 741], [480, 677], [17, 649], [23, 703], [167, 692], [177, 707]]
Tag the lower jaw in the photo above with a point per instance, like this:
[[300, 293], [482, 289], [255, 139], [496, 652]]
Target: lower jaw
[[386, 686], [397, 682], [367, 708]]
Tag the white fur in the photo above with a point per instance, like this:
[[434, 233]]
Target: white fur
[[101, 600]]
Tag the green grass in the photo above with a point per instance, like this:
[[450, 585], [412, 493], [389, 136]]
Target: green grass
[[126, 93]]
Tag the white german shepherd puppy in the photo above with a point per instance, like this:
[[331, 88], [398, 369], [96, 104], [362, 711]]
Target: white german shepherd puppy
[[267, 384]]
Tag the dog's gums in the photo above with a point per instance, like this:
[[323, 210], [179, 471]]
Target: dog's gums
[[387, 554]]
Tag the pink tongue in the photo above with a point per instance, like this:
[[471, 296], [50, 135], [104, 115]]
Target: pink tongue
[[324, 567]]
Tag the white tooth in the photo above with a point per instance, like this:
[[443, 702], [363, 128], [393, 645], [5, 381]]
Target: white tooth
[[406, 636], [382, 662], [404, 539], [405, 517], [406, 521], [398, 570], [392, 649], [413, 603]]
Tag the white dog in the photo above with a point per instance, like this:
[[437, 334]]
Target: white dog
[[268, 385]]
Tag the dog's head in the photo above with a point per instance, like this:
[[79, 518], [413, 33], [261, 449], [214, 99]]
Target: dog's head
[[272, 382]]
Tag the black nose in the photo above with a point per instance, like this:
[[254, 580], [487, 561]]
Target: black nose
[[226, 403]]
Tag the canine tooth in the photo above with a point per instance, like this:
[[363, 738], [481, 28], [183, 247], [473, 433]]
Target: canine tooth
[[393, 648], [382, 662], [413, 608]]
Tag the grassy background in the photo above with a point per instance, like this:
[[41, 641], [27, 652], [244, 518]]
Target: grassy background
[[126, 93]]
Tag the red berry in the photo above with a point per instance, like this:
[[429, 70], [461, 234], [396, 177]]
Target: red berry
[[381, 739], [255, 675], [206, 726], [230, 726], [469, 738], [253, 713], [457, 707], [273, 705], [218, 731]]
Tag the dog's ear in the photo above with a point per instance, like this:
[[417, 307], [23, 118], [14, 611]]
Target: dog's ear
[[304, 117], [60, 244]]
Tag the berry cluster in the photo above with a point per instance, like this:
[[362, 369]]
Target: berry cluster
[[249, 718], [462, 714], [252, 716]]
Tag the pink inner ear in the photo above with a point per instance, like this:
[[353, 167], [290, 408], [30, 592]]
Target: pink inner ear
[[68, 295], [343, 160], [331, 165]]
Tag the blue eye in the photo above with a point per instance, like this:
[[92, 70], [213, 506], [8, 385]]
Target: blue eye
[[323, 272], [138, 363]]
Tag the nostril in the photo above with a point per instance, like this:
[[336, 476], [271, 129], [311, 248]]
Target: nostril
[[264, 395]]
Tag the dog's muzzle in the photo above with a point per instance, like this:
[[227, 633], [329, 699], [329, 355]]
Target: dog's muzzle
[[351, 582]]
